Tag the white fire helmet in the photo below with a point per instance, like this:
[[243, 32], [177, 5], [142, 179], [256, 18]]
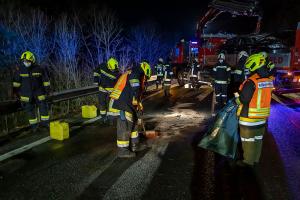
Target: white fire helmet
[[221, 57], [161, 60], [242, 53]]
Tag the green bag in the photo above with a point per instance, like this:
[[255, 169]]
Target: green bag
[[223, 137]]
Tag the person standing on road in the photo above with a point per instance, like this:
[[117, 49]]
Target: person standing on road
[[126, 97], [195, 69], [254, 101], [221, 75], [31, 85], [105, 77], [168, 74], [159, 70]]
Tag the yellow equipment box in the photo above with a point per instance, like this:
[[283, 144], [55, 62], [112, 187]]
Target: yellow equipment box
[[89, 112], [59, 130]]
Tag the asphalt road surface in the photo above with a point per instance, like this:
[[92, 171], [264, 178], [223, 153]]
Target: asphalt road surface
[[86, 166]]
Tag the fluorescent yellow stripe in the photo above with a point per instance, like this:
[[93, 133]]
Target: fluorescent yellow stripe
[[134, 134], [42, 97], [45, 118], [24, 75], [25, 99], [109, 89], [107, 74], [16, 84], [33, 121], [122, 143], [259, 98], [96, 74], [250, 120], [36, 74], [46, 84], [128, 116]]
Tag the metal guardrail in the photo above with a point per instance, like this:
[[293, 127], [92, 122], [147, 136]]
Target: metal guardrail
[[8, 107], [12, 106]]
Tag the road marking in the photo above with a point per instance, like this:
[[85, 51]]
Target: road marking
[[133, 183], [24, 148], [39, 142]]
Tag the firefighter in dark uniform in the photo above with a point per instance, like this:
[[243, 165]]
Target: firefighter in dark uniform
[[31, 85], [254, 101], [106, 76], [194, 72], [126, 97], [239, 74], [168, 75], [159, 70], [221, 75]]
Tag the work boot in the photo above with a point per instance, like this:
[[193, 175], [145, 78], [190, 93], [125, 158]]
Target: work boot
[[136, 147], [125, 153]]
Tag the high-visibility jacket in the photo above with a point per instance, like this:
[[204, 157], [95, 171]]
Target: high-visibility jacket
[[105, 78], [221, 73], [260, 104], [126, 90], [31, 82]]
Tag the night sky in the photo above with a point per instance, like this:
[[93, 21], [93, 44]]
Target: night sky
[[178, 17], [170, 16]]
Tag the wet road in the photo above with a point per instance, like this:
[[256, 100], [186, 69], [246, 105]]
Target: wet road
[[86, 167]]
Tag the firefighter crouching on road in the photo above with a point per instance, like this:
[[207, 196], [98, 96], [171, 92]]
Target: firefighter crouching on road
[[31, 85], [239, 74], [168, 74], [126, 96], [254, 107], [221, 75], [159, 70], [106, 76]]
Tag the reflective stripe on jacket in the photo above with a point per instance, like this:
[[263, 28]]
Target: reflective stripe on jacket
[[259, 106]]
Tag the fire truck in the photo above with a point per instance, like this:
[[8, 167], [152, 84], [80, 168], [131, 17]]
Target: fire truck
[[206, 46]]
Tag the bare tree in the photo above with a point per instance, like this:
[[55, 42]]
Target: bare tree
[[146, 43], [30, 29], [107, 34], [67, 45]]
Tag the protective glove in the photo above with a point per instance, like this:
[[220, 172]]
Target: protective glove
[[140, 106]]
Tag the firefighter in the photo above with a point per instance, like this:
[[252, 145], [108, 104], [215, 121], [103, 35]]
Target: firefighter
[[221, 75], [168, 74], [254, 101], [105, 76], [31, 85], [194, 73], [159, 70], [270, 64], [239, 74], [126, 97]]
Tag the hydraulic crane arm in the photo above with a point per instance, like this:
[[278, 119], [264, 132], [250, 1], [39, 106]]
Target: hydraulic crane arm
[[242, 8]]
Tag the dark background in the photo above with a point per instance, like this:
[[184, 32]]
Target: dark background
[[179, 17]]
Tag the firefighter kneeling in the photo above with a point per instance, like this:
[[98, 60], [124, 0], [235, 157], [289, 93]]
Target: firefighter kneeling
[[126, 97], [254, 107]]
